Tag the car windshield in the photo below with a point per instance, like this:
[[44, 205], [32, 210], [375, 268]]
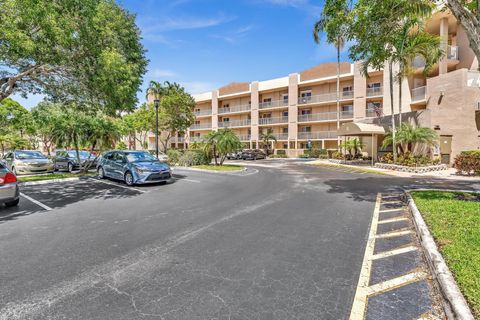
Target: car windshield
[[140, 157], [83, 154], [22, 155]]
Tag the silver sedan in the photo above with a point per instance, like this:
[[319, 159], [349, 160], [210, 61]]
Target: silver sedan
[[28, 162], [9, 193]]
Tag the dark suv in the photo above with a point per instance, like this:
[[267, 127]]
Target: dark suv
[[254, 154]]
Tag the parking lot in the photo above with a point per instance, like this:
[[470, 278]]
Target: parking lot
[[278, 241]]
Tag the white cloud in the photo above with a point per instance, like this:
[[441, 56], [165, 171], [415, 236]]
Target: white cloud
[[196, 87], [236, 35]]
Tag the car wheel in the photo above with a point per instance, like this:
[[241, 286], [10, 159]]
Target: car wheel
[[70, 167], [12, 203], [129, 178], [100, 173]]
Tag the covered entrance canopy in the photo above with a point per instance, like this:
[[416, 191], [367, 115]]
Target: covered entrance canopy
[[363, 129]]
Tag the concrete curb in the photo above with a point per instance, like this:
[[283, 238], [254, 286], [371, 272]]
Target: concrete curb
[[35, 183], [209, 171], [455, 304]]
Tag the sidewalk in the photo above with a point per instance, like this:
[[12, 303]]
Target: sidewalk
[[449, 174]]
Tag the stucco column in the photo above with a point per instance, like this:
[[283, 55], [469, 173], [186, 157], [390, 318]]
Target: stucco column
[[293, 108], [359, 92], [254, 98], [215, 110], [443, 65]]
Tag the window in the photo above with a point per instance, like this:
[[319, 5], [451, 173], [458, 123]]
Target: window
[[347, 109], [285, 146], [197, 134], [306, 129], [197, 122], [285, 97], [305, 111], [226, 105], [374, 85], [347, 89], [306, 93], [197, 110], [267, 100], [284, 130], [285, 114], [266, 115], [225, 119]]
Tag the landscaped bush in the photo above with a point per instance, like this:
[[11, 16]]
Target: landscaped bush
[[173, 156], [315, 153], [387, 158], [281, 151], [194, 158], [409, 159], [337, 155], [468, 162]]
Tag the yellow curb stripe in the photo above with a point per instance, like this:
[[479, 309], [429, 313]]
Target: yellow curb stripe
[[360, 300], [393, 252], [393, 234], [392, 202], [391, 210], [396, 282], [396, 219]]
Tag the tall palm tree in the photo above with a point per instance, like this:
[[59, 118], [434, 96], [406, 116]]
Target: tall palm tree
[[409, 136], [266, 137], [156, 89], [410, 42], [336, 34], [210, 146], [227, 142]]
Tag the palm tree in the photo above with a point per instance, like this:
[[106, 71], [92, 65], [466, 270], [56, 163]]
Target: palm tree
[[412, 41], [409, 136], [336, 34], [357, 146], [227, 142], [210, 147], [156, 89], [266, 137]]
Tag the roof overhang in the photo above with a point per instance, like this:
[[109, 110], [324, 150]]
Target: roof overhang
[[360, 129]]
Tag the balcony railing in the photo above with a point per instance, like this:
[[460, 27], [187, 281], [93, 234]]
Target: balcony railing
[[273, 104], [273, 120], [371, 113], [317, 135], [201, 126], [375, 91], [196, 139], [326, 97], [324, 116], [452, 52], [281, 136], [244, 137], [419, 94], [202, 113], [234, 123], [346, 114], [240, 108]]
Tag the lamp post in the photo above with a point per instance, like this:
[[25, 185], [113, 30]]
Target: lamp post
[[155, 103]]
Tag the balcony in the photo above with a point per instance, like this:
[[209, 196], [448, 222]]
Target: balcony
[[201, 126], [418, 94], [372, 113], [326, 97], [375, 91], [346, 115], [281, 136], [202, 113], [324, 116], [233, 109], [273, 104], [317, 135], [244, 137], [234, 123], [452, 54], [274, 120], [196, 139]]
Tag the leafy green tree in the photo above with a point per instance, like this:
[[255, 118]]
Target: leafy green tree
[[139, 123], [226, 142], [44, 116], [266, 137], [85, 51], [409, 136], [14, 118], [210, 146]]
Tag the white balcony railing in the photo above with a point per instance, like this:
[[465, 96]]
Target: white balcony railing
[[452, 52], [234, 123], [273, 120], [281, 136], [273, 104], [201, 126], [419, 94], [326, 97], [317, 135], [324, 116], [240, 108], [196, 139], [202, 113], [346, 114], [244, 137], [375, 91]]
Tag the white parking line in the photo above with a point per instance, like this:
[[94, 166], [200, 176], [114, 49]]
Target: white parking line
[[38, 203], [119, 185]]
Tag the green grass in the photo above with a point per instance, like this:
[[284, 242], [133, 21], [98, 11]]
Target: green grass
[[455, 225], [51, 176], [350, 167], [225, 167]]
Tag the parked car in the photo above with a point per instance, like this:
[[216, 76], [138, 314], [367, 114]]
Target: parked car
[[133, 167], [234, 155], [254, 154], [67, 160], [28, 162], [9, 193]]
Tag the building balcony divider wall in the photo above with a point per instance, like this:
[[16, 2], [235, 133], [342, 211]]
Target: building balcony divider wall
[[273, 120], [317, 135], [273, 104], [324, 116], [326, 97], [234, 123], [232, 109]]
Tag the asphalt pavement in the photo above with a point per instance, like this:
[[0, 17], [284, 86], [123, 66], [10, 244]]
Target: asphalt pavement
[[282, 241]]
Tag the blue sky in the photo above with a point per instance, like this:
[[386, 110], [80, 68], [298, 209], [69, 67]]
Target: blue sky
[[204, 44]]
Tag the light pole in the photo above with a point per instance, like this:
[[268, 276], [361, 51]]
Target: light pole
[[155, 103]]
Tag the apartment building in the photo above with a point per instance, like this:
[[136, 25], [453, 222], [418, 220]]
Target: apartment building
[[301, 107]]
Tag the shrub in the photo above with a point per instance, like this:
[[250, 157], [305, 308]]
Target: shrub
[[315, 153], [467, 163], [194, 158], [387, 158], [471, 153], [409, 159], [173, 156], [304, 156], [281, 151], [337, 155]]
